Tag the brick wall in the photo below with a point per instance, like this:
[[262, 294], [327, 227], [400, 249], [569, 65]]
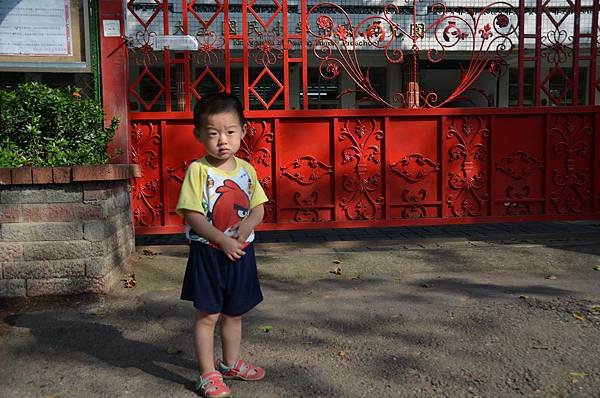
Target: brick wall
[[66, 235]]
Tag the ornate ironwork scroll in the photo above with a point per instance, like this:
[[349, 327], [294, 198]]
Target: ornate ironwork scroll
[[256, 146], [470, 136], [307, 212], [297, 170], [571, 144], [306, 171], [405, 167], [256, 150], [490, 39], [518, 166], [414, 168], [145, 191], [364, 182]]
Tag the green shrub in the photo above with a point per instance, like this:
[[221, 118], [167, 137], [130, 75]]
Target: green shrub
[[44, 126]]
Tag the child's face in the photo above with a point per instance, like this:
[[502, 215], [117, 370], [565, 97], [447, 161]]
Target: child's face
[[221, 136]]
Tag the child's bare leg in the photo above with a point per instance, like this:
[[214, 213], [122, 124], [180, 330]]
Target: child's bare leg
[[204, 340], [231, 337]]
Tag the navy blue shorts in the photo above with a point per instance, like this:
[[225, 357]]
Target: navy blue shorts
[[216, 284]]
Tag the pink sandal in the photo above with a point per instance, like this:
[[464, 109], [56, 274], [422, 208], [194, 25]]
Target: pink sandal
[[241, 371], [211, 385]]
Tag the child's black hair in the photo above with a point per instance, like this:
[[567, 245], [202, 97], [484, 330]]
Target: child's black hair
[[212, 104]]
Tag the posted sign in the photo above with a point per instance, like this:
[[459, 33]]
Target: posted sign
[[36, 28], [172, 42]]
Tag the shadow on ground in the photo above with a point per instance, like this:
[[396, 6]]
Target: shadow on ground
[[377, 329], [103, 342]]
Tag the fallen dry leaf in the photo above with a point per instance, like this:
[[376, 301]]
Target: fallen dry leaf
[[265, 328], [129, 282], [576, 376], [148, 252], [173, 351], [551, 277], [99, 311], [523, 297], [343, 354], [580, 317], [595, 308], [337, 271], [23, 332]]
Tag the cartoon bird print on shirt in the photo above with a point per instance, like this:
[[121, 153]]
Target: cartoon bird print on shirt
[[231, 206]]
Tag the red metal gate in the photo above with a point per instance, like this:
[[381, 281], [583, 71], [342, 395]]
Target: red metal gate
[[397, 157]]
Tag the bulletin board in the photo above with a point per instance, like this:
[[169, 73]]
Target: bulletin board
[[45, 36]]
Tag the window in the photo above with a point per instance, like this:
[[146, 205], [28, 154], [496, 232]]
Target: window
[[513, 87], [322, 93], [557, 85], [378, 79]]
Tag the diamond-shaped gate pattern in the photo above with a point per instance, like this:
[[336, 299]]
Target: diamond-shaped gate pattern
[[256, 82], [557, 72], [561, 4], [204, 23], [147, 22], [138, 81], [207, 73], [259, 19]]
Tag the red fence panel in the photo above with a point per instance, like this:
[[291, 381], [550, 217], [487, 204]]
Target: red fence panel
[[466, 144], [360, 169], [569, 163], [518, 165], [344, 101], [304, 171], [414, 168]]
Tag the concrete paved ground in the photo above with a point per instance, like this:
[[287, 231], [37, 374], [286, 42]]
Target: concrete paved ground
[[505, 310]]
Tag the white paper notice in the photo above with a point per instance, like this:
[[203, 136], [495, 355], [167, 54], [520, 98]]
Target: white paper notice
[[172, 42], [33, 27]]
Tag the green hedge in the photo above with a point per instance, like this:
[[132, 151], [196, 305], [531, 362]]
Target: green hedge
[[44, 126]]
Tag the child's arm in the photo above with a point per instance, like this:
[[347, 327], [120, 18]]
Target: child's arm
[[246, 226], [231, 247]]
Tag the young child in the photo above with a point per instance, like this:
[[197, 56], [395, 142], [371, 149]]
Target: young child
[[221, 202]]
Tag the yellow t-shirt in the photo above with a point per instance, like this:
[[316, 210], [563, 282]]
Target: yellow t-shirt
[[223, 197]]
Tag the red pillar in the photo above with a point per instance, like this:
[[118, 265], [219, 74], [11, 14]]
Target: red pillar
[[114, 73]]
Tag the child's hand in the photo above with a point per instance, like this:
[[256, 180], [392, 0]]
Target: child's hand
[[232, 248], [242, 231]]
